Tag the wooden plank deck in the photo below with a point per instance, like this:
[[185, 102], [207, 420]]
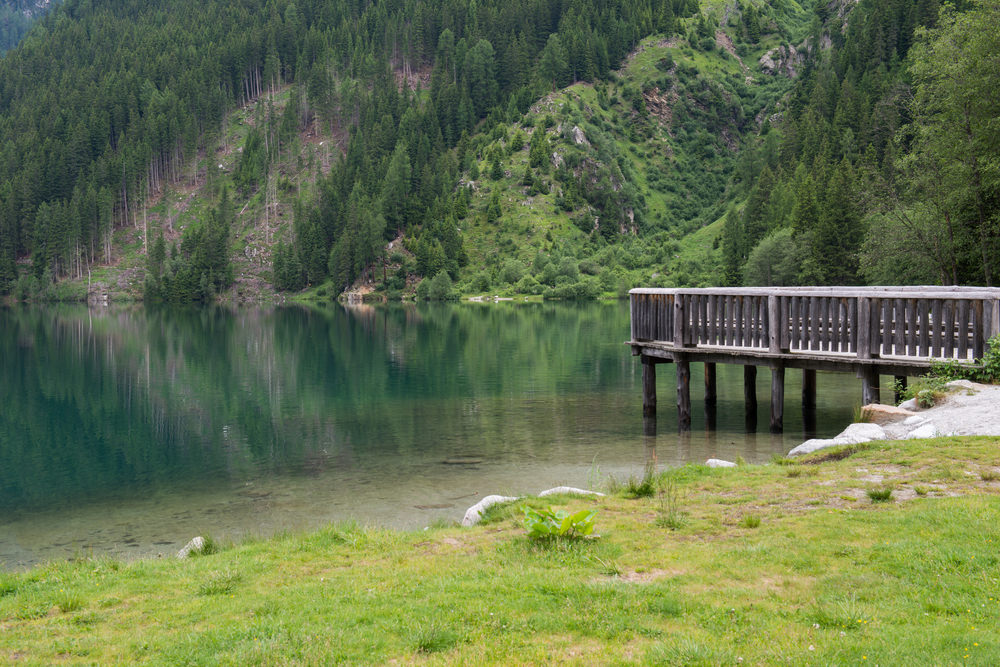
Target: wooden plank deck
[[870, 331]]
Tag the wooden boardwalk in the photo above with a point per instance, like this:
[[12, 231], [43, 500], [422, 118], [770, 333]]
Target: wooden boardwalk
[[869, 331]]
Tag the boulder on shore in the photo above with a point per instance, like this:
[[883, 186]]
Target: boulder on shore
[[195, 546], [852, 435], [475, 513], [719, 463], [881, 414]]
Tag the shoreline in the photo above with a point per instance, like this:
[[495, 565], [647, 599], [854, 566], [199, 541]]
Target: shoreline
[[761, 563]]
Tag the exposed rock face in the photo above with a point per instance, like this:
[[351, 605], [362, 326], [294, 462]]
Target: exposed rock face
[[781, 60], [196, 546], [579, 138]]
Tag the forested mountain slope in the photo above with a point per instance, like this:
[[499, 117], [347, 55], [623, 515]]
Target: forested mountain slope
[[17, 16], [565, 148], [887, 170]]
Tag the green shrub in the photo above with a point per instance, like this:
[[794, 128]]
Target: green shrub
[[548, 524], [880, 495]]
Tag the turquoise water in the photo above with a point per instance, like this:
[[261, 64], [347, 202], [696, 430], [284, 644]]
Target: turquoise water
[[128, 431]]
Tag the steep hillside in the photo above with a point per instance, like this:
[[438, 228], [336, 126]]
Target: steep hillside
[[559, 150], [17, 16], [629, 166]]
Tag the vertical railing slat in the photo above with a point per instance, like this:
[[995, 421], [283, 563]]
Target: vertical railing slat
[[923, 323], [962, 329], [978, 341], [948, 325], [937, 328]]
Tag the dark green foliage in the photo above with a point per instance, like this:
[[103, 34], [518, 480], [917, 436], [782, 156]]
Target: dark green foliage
[[107, 103], [849, 159], [201, 269], [288, 272], [16, 18]]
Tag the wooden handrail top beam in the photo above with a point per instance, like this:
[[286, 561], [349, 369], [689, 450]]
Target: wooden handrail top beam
[[908, 292]]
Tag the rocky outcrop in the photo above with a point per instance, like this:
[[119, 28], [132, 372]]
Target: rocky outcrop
[[782, 60]]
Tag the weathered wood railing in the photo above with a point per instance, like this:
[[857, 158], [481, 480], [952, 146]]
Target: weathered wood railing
[[869, 330], [924, 322]]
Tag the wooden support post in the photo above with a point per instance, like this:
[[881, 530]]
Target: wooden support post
[[711, 398], [683, 394], [648, 387], [869, 386], [777, 399], [898, 388], [809, 389], [750, 391]]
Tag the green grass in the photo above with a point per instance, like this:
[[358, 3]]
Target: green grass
[[765, 568]]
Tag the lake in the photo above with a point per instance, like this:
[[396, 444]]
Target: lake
[[128, 431]]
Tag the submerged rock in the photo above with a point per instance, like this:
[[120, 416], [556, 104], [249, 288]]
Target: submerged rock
[[475, 513], [462, 461]]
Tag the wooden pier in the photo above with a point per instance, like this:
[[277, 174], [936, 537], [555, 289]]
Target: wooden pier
[[868, 331]]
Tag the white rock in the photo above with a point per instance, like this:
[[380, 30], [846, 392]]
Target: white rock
[[910, 405], [568, 489], [852, 435], [856, 433], [816, 444], [196, 545], [475, 513], [719, 463], [915, 420], [928, 430], [962, 384]]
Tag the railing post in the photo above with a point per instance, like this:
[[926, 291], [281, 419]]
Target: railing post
[[774, 324], [864, 332], [992, 320], [631, 315], [680, 319]]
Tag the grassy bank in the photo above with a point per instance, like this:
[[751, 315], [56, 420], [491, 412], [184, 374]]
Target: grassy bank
[[794, 562]]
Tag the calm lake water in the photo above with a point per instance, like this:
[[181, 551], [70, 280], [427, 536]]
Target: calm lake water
[[129, 431]]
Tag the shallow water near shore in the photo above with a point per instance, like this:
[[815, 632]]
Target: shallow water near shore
[[128, 431]]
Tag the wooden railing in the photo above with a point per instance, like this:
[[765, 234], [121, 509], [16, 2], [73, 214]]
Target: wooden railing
[[861, 322]]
